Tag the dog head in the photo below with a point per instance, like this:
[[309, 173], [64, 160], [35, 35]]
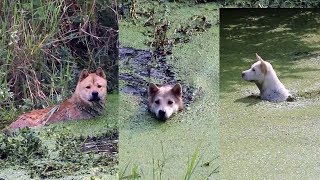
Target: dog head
[[257, 72], [165, 100], [92, 87]]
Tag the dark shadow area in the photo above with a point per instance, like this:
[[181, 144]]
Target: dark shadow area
[[275, 34], [249, 100]]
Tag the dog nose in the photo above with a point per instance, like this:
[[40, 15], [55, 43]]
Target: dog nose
[[242, 74], [95, 94], [162, 114]]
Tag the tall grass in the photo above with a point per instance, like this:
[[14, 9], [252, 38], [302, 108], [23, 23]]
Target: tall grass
[[28, 30], [192, 164], [30, 58]]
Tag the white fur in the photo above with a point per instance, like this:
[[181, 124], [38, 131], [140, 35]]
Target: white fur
[[164, 95], [270, 87]]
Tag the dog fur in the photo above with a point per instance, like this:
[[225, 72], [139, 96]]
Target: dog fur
[[88, 101], [165, 100], [264, 76]]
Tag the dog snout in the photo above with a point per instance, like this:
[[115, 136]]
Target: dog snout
[[243, 74], [95, 94], [162, 114]]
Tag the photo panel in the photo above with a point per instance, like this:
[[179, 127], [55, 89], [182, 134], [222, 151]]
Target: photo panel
[[58, 90], [269, 93], [169, 55]]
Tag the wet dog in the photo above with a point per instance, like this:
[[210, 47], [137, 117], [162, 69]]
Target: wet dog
[[88, 101], [264, 76], [165, 100]]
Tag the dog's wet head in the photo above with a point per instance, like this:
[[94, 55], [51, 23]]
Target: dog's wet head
[[92, 87], [165, 100], [257, 72]]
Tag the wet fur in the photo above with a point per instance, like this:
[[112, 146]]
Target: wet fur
[[84, 104]]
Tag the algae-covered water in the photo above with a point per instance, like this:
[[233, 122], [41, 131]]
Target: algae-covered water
[[151, 149], [259, 139]]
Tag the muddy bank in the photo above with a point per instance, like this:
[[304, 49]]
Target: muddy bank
[[141, 67], [106, 145]]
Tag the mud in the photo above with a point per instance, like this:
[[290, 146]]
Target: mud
[[106, 145], [141, 67]]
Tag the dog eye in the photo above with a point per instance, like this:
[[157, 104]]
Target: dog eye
[[253, 69], [99, 86], [170, 102], [88, 87], [157, 102]]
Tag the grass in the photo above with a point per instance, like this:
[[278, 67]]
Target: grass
[[192, 165], [143, 137], [28, 38], [259, 139]]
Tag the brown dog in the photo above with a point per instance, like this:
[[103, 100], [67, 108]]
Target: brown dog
[[88, 101]]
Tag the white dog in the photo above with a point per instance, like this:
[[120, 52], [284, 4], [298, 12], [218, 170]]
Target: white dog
[[265, 77], [165, 100]]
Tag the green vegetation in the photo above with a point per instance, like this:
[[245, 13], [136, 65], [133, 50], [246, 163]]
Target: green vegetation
[[271, 3], [153, 149], [26, 150], [21, 148], [258, 138]]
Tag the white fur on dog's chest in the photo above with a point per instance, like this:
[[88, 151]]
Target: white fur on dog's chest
[[273, 90], [274, 95]]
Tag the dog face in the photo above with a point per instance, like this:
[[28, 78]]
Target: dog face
[[92, 87], [257, 72], [165, 100]]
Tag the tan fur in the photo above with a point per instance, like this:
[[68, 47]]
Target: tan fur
[[88, 101], [263, 64], [167, 99]]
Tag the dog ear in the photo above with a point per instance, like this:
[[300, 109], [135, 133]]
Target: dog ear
[[177, 90], [258, 57], [84, 73], [153, 89], [263, 66], [101, 73]]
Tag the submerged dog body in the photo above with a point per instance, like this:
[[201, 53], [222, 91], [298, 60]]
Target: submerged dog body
[[165, 100], [264, 76], [88, 101]]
